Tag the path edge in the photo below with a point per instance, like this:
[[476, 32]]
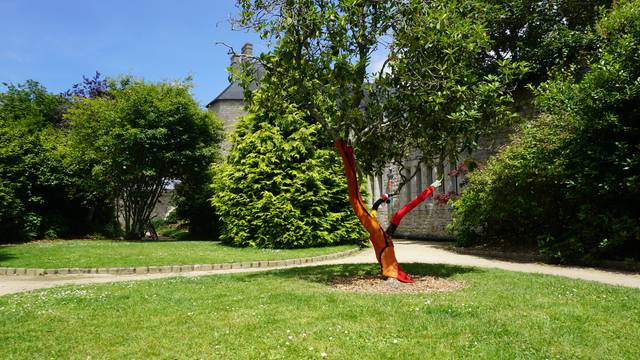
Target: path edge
[[175, 269]]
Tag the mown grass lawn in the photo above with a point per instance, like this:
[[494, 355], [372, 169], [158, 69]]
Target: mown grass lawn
[[109, 253], [295, 314]]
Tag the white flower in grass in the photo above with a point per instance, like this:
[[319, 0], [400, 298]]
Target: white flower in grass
[[323, 354]]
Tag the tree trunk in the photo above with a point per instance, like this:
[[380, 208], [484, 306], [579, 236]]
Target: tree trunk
[[382, 242], [139, 200]]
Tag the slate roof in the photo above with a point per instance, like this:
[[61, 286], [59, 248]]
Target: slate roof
[[234, 91]]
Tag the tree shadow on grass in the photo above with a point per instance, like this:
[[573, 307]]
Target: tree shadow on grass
[[6, 254], [160, 240], [326, 274]]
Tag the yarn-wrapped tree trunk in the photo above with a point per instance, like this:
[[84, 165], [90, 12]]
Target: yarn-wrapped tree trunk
[[380, 239]]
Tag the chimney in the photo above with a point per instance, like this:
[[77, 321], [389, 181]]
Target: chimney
[[247, 50], [235, 60]]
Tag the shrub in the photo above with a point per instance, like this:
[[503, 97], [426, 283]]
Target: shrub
[[281, 188], [570, 182], [138, 140], [40, 192]]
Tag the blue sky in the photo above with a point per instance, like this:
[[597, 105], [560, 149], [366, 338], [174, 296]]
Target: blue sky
[[57, 42]]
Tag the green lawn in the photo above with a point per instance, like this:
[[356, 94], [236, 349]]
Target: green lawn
[[107, 253], [294, 314]]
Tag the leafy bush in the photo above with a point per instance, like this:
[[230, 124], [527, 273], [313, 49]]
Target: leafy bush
[[13, 216], [194, 207], [281, 186], [140, 138], [39, 190], [570, 182]]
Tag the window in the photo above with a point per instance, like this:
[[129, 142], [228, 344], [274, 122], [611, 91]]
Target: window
[[407, 174], [454, 179], [372, 185]]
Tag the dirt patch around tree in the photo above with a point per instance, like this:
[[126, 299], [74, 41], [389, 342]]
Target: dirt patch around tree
[[376, 284]]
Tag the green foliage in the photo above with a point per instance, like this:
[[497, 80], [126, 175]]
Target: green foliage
[[194, 207], [516, 196], [138, 139], [30, 106], [20, 155], [321, 55], [282, 184], [65, 160], [39, 194], [455, 66], [546, 35], [570, 182], [14, 222], [439, 94]]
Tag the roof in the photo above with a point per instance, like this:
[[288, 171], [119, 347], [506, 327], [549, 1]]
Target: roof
[[234, 91]]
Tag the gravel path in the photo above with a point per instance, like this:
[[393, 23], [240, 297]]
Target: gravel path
[[407, 251]]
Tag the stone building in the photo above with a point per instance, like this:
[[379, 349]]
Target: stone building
[[229, 104], [428, 220]]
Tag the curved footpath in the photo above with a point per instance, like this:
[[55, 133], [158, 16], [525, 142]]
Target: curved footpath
[[407, 251]]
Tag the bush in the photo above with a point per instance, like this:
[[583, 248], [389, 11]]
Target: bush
[[281, 188], [517, 196], [194, 207], [40, 192], [570, 182], [138, 140]]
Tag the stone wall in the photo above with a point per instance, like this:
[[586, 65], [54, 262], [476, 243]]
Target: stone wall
[[428, 220], [228, 111], [162, 208], [164, 205]]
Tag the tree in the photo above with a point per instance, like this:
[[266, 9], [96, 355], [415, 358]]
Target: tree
[[40, 192], [569, 184], [30, 106], [322, 51], [453, 66], [27, 112], [548, 35], [138, 139], [440, 95], [280, 184]]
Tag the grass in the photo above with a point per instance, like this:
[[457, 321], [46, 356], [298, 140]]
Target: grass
[[294, 314], [108, 253], [173, 232]]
